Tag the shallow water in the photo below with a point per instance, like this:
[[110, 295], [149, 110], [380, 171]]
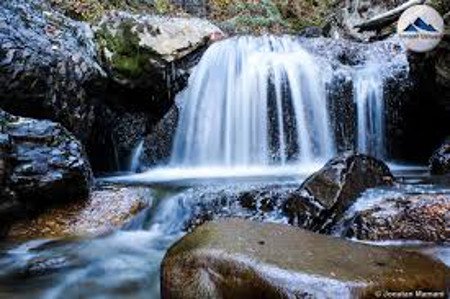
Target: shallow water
[[125, 263]]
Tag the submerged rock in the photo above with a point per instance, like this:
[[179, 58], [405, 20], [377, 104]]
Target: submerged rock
[[411, 217], [243, 259], [440, 160], [106, 209], [325, 195], [40, 163]]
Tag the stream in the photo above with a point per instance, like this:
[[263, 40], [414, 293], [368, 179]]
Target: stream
[[126, 263], [257, 115]]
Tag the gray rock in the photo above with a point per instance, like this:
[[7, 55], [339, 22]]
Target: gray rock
[[408, 217], [440, 160], [48, 65], [41, 163], [151, 52]]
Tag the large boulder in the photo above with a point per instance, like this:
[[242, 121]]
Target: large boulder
[[324, 196], [409, 217], [244, 259], [41, 163], [48, 66], [440, 160], [152, 53]]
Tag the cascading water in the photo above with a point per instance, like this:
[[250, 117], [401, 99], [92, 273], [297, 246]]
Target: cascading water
[[370, 109], [136, 156], [254, 101]]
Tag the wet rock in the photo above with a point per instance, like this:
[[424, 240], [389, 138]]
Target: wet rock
[[440, 160], [151, 53], [411, 217], [48, 66], [261, 202], [325, 195], [106, 209], [159, 143], [243, 259], [40, 163]]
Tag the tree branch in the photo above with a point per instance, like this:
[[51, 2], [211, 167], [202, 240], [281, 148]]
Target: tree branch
[[385, 19]]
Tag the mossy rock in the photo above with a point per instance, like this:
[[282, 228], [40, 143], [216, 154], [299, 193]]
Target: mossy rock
[[138, 50]]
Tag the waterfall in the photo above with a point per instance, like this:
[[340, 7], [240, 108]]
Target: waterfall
[[136, 155], [254, 101], [368, 96]]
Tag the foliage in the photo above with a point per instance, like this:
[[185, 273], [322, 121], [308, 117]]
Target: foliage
[[271, 15], [92, 10], [243, 15]]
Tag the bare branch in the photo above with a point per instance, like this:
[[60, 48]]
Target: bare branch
[[385, 19]]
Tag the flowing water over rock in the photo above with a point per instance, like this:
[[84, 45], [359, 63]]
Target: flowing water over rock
[[259, 108], [370, 109], [254, 101]]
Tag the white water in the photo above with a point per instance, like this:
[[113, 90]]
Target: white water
[[254, 101], [136, 156], [368, 96]]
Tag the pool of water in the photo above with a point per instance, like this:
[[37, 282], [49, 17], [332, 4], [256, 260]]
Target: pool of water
[[126, 263]]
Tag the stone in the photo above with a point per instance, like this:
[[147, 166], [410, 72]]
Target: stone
[[243, 259], [439, 163], [48, 66], [151, 52], [41, 164], [422, 217], [106, 209], [325, 195]]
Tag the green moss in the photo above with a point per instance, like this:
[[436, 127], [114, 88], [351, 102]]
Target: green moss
[[128, 58]]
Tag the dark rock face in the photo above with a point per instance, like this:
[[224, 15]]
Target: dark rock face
[[40, 163], [106, 87], [325, 195], [158, 144], [243, 259], [428, 109], [440, 160], [48, 66], [412, 217]]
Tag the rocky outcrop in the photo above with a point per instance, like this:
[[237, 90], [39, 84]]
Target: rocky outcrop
[[325, 195], [41, 163], [410, 217], [48, 65], [151, 53], [106, 209], [440, 160], [243, 259], [93, 83]]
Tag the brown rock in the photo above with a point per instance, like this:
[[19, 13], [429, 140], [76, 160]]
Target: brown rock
[[243, 259], [105, 210], [414, 217]]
